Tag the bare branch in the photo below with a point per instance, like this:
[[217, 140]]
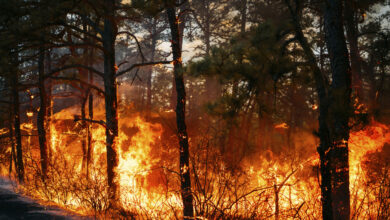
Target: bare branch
[[136, 40], [101, 122], [139, 65], [91, 23], [136, 76]]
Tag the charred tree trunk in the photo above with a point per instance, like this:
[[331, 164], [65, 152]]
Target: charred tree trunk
[[88, 52], [339, 108], [276, 191], [49, 106], [89, 128], [352, 36], [12, 142], [41, 119], [84, 128], [111, 104], [185, 177], [16, 120], [323, 131]]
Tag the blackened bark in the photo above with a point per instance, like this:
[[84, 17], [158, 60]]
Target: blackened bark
[[185, 177], [89, 129], [352, 36], [323, 131], [339, 108], [41, 118], [16, 120], [12, 142], [49, 106], [88, 52], [84, 139], [322, 92], [110, 86], [10, 161], [276, 191], [84, 75]]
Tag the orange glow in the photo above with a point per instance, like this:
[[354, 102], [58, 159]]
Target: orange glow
[[29, 114], [281, 125]]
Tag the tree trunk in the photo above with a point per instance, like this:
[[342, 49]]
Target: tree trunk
[[322, 91], [89, 128], [110, 87], [276, 191], [339, 108], [185, 177], [16, 119], [84, 138], [352, 36], [88, 52], [41, 119], [49, 106], [12, 142]]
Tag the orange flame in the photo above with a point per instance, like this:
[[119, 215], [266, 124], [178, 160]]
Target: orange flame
[[283, 178], [281, 125]]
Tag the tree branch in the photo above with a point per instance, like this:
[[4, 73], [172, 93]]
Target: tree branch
[[139, 65], [79, 30], [101, 122], [136, 40]]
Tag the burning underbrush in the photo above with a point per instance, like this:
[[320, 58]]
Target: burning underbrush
[[264, 184]]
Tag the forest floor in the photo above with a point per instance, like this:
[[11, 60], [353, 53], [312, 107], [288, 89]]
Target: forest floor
[[15, 206]]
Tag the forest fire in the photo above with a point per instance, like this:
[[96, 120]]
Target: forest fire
[[278, 182], [190, 109], [136, 163]]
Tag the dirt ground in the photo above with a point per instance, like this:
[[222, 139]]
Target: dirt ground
[[14, 206]]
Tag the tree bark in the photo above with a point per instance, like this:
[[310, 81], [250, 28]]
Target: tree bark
[[42, 113], [12, 142], [352, 36], [89, 128], [111, 104], [16, 119], [84, 138], [322, 92], [49, 106], [339, 108], [185, 177]]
